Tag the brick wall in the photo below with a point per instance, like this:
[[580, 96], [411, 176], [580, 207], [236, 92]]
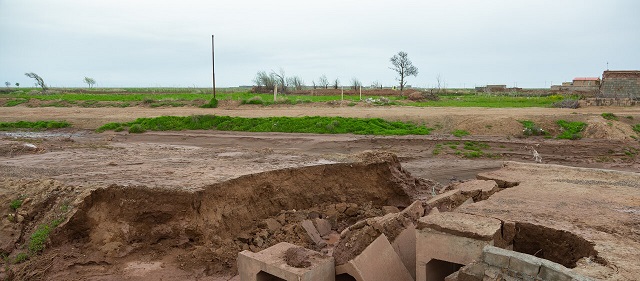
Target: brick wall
[[620, 84], [501, 264]]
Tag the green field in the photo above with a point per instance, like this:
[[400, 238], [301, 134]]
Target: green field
[[156, 97], [313, 124]]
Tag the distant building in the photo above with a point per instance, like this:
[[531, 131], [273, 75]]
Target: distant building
[[620, 84], [586, 82], [492, 88]]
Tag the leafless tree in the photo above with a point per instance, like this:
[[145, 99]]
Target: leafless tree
[[39, 80], [404, 67], [439, 82], [355, 83], [376, 85], [264, 82], [7, 84], [313, 83], [281, 80], [336, 83], [323, 81], [296, 82]]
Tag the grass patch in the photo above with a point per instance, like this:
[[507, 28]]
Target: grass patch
[[460, 133], [609, 116], [15, 102], [38, 125], [636, 128], [213, 103], [39, 238], [20, 258], [315, 124], [571, 130], [136, 129], [531, 129], [15, 204]]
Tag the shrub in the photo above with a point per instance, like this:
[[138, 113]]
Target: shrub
[[21, 257], [213, 103], [136, 129], [609, 116], [571, 130], [460, 133], [15, 204], [530, 129], [39, 238], [253, 100], [636, 128]]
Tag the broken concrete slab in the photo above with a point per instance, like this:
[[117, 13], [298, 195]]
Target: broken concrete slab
[[272, 224], [312, 233], [503, 181], [323, 226], [478, 189], [461, 224], [446, 201], [378, 262], [399, 228], [270, 263]]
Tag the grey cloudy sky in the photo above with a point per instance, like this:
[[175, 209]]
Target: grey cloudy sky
[[147, 43]]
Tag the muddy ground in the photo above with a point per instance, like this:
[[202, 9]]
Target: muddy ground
[[56, 174]]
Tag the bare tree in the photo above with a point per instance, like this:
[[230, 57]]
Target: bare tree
[[313, 83], [403, 66], [7, 84], [323, 81], [281, 80], [439, 82], [39, 80], [264, 82], [355, 83], [336, 83], [89, 81], [376, 85], [296, 82]]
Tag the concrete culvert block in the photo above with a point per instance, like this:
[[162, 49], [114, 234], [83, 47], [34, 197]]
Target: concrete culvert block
[[472, 272], [496, 257], [446, 201], [478, 189], [553, 271], [525, 264], [378, 262], [274, 263]]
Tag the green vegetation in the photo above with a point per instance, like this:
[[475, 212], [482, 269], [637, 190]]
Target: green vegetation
[[213, 103], [460, 133], [15, 204], [629, 117], [571, 130], [531, 129], [39, 238], [155, 97], [21, 257], [136, 129], [636, 127], [38, 125], [609, 116], [317, 125], [494, 101]]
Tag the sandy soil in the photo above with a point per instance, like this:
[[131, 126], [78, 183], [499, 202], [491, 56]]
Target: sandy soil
[[55, 173]]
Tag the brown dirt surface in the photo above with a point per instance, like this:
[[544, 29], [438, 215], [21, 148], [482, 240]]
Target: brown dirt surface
[[180, 205]]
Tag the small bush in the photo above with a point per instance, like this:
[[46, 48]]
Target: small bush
[[21, 257], [530, 129], [253, 100], [609, 116], [213, 103], [136, 129], [460, 133], [636, 128], [571, 130], [110, 127], [15, 204], [39, 239]]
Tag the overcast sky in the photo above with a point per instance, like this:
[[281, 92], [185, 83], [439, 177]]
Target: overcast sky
[[142, 43]]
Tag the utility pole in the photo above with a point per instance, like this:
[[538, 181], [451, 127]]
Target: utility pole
[[213, 67]]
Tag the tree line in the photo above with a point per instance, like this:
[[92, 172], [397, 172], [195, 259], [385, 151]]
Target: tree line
[[266, 82]]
